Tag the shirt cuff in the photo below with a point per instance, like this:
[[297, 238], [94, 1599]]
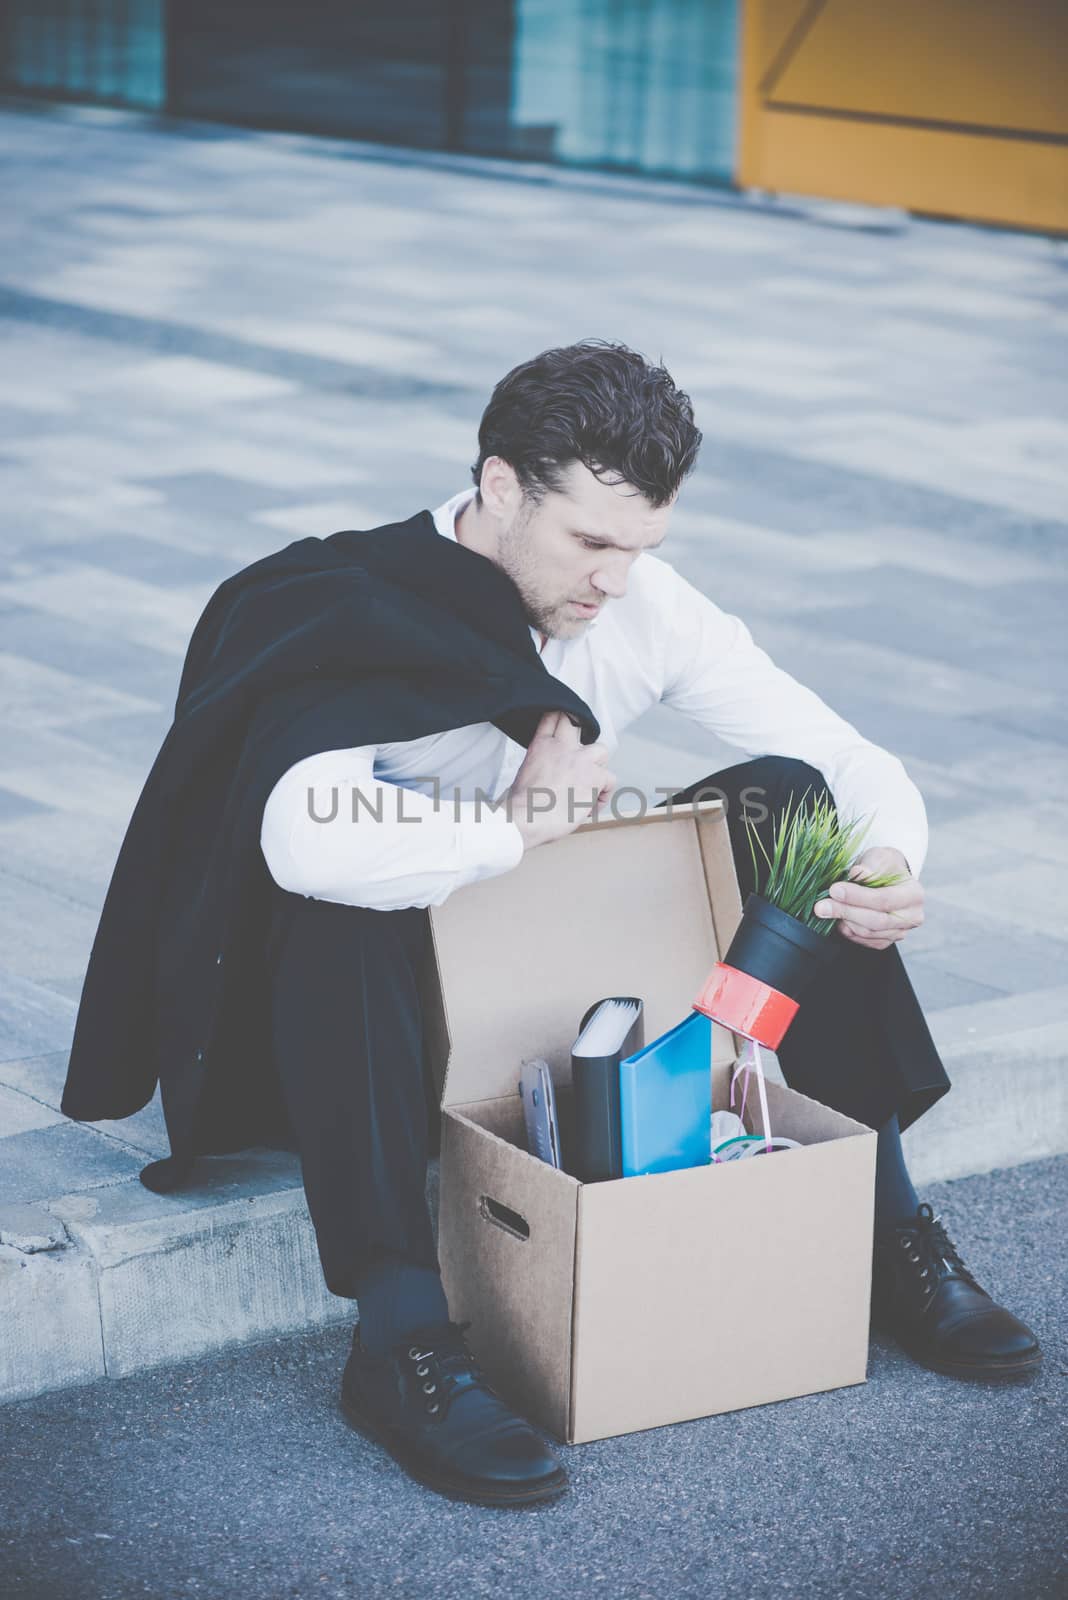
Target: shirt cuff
[[489, 844]]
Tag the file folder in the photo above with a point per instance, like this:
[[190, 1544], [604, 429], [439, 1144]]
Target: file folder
[[665, 1096]]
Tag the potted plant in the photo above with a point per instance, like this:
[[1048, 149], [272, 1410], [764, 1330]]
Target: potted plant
[[780, 943]]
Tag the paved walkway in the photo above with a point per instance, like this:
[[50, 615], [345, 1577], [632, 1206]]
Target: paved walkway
[[236, 1478], [216, 341]]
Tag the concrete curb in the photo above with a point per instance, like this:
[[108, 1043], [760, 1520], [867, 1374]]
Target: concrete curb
[[116, 1279], [109, 1282], [1009, 1102], [136, 1279]]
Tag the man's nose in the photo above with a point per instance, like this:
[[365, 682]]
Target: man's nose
[[611, 580]]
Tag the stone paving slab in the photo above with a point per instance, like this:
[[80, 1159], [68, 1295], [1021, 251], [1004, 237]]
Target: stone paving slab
[[216, 341]]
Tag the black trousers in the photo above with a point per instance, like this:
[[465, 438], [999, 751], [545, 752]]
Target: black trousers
[[350, 1057]]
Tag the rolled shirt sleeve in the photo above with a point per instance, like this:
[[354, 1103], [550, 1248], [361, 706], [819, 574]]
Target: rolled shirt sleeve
[[333, 831], [715, 673]]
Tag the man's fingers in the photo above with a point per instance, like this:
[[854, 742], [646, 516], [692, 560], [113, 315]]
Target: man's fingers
[[888, 899], [568, 732], [862, 920], [869, 942], [599, 790], [888, 912], [558, 725], [867, 918], [605, 794], [548, 723]]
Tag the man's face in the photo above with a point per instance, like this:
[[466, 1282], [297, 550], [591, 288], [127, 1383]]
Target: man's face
[[571, 554]]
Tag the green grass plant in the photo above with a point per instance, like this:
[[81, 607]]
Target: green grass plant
[[811, 849]]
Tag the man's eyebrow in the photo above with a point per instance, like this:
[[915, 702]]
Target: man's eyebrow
[[599, 538]]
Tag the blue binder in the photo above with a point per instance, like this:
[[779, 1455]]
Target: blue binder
[[665, 1100]]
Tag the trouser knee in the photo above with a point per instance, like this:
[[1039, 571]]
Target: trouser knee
[[758, 790], [774, 783], [755, 795]]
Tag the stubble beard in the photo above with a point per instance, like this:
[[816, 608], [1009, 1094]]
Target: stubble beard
[[550, 617]]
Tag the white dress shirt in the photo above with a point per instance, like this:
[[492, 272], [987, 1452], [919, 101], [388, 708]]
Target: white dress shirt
[[395, 837]]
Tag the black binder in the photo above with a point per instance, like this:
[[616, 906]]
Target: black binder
[[597, 1147]]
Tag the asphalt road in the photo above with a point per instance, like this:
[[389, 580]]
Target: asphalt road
[[236, 1476]]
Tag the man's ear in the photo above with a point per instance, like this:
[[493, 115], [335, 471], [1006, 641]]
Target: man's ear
[[501, 490]]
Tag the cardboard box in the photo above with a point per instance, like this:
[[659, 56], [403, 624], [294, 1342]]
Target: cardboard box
[[603, 1308]]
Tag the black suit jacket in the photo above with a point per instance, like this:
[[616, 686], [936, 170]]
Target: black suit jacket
[[358, 638]]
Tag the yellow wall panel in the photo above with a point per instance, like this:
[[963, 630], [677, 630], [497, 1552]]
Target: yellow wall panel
[[958, 107], [778, 21], [883, 166], [975, 61]]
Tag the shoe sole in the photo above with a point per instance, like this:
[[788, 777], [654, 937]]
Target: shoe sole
[[453, 1488], [957, 1369]]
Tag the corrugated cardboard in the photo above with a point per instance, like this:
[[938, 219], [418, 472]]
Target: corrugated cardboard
[[603, 1308]]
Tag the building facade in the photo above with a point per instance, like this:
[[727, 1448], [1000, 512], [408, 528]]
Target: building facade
[[949, 107]]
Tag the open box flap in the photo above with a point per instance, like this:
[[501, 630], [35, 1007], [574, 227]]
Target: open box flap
[[640, 906]]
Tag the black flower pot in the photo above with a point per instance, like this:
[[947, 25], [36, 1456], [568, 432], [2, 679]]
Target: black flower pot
[[772, 959], [778, 949]]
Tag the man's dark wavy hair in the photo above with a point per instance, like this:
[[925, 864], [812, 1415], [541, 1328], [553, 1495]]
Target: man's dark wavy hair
[[598, 403]]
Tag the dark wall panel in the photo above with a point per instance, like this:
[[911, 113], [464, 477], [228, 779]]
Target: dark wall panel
[[363, 71]]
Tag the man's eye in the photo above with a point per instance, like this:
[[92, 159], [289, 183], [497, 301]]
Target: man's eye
[[592, 544]]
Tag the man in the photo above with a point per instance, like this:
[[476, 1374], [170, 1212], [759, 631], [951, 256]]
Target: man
[[566, 614]]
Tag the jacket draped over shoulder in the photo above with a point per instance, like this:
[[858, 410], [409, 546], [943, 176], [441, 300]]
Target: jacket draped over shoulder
[[359, 638]]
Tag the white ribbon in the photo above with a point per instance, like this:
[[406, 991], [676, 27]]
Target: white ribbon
[[748, 1060]]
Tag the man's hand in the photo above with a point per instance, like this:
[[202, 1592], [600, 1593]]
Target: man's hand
[[875, 918], [560, 784]]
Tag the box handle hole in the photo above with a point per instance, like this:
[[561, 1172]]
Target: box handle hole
[[504, 1217]]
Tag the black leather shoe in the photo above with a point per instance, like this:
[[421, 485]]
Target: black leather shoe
[[428, 1403], [924, 1295]]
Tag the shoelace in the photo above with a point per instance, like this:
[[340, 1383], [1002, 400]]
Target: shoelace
[[445, 1365], [932, 1251]]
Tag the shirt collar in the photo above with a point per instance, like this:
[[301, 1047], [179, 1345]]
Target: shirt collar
[[445, 522], [445, 516]]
